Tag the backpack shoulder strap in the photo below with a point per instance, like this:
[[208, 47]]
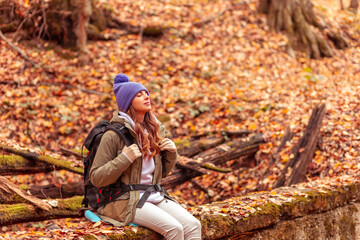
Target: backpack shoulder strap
[[100, 127], [123, 133]]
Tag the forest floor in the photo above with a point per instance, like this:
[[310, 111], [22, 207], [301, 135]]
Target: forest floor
[[229, 74]]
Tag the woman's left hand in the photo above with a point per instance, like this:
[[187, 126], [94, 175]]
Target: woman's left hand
[[167, 144]]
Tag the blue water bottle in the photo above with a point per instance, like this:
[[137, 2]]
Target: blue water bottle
[[92, 216]]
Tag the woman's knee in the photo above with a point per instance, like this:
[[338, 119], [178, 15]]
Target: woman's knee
[[194, 222], [197, 223], [178, 227], [193, 229], [175, 231]]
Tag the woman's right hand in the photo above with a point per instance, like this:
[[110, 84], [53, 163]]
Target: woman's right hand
[[132, 152]]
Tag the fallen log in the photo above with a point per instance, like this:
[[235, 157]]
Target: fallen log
[[43, 158], [50, 191], [211, 166], [303, 152], [305, 149], [231, 150], [189, 148], [69, 152], [186, 168], [18, 165], [209, 192], [288, 135], [9, 187], [226, 134], [62, 191], [22, 212]]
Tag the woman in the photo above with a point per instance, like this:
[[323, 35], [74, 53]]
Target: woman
[[147, 161]]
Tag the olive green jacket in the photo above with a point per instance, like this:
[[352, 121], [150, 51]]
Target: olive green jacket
[[109, 164]]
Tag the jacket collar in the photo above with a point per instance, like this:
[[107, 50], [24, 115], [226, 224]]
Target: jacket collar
[[126, 120], [126, 117]]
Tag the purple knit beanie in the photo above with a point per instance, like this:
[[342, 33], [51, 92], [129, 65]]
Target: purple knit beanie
[[125, 91]]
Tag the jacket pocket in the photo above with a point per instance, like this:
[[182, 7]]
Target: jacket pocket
[[116, 210]]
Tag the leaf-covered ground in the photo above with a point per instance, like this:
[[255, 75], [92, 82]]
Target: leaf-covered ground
[[228, 74]]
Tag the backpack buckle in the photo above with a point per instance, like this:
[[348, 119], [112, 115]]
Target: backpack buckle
[[157, 187], [131, 187]]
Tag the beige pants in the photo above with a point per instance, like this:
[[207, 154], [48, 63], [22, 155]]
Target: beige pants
[[169, 219]]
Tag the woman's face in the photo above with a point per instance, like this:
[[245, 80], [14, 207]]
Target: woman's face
[[141, 102]]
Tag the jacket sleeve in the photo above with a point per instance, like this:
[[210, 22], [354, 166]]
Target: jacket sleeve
[[108, 165]]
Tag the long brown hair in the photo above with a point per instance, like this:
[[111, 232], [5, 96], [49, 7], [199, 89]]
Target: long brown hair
[[149, 141]]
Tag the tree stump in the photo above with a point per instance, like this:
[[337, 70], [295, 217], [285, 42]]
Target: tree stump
[[300, 23], [354, 5]]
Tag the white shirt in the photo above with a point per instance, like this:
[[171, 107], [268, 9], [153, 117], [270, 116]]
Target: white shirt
[[147, 175]]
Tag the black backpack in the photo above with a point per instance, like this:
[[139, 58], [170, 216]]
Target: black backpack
[[97, 197], [94, 196]]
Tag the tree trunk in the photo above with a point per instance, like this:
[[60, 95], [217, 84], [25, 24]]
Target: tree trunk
[[8, 18], [67, 22], [264, 6], [341, 5], [354, 5], [81, 21], [294, 17]]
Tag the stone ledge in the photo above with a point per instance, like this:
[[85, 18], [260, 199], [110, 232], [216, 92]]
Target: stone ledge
[[263, 210], [339, 223]]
